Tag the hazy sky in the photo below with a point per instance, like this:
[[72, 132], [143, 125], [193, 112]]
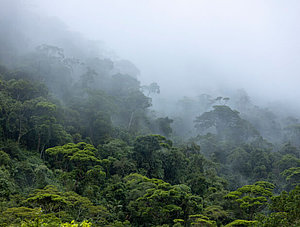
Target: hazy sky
[[192, 45]]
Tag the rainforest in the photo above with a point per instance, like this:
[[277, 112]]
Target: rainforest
[[87, 140]]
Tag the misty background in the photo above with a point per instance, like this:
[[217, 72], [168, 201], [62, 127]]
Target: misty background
[[149, 113], [191, 47], [187, 47]]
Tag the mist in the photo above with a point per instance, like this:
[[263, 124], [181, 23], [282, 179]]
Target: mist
[[149, 113], [193, 47], [189, 48]]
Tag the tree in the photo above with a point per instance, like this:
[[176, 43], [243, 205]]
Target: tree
[[242, 223], [78, 163], [7, 184], [164, 125], [22, 90], [42, 121], [174, 164], [146, 153], [91, 116], [152, 88], [228, 125], [15, 215], [48, 198], [251, 199], [292, 175], [289, 149], [69, 156], [287, 161], [155, 202], [87, 79], [292, 134], [240, 160], [286, 208], [121, 152], [216, 213], [66, 204], [4, 159], [201, 220]]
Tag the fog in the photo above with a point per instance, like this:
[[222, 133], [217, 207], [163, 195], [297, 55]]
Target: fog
[[192, 47], [196, 46], [132, 109]]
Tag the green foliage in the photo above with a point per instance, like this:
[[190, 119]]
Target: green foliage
[[251, 199], [7, 184], [288, 161], [20, 214], [4, 159], [292, 175], [164, 126], [157, 202], [55, 109], [73, 224], [43, 176], [66, 205], [70, 156], [286, 207], [289, 149], [242, 223], [79, 165], [274, 219], [120, 224], [216, 213], [292, 132], [228, 125], [146, 154], [115, 148], [201, 220]]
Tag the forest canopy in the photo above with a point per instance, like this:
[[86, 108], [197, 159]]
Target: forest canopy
[[81, 143]]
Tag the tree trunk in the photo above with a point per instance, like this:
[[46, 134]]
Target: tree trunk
[[39, 144], [20, 132], [42, 151], [19, 138], [130, 121]]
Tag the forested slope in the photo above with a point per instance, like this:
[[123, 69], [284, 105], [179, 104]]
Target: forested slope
[[79, 143]]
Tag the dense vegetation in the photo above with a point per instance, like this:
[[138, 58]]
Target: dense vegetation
[[79, 144]]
